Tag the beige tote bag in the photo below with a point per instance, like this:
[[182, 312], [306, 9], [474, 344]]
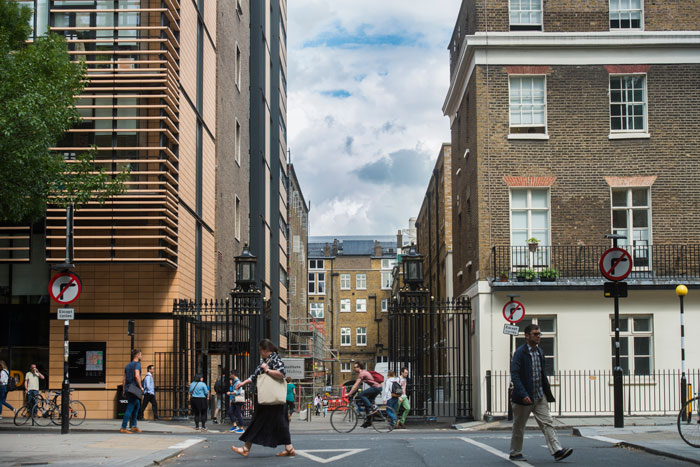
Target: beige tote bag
[[271, 391]]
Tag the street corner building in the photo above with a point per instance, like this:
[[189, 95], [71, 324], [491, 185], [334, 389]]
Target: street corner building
[[572, 120], [169, 97]]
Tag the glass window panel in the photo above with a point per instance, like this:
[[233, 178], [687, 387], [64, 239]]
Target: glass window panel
[[639, 197], [546, 324], [625, 365], [624, 325], [524, 323], [642, 346], [519, 341], [519, 198], [539, 198], [549, 366], [640, 218], [642, 365], [547, 344], [619, 197], [619, 219], [519, 220], [624, 346], [520, 238], [539, 220], [642, 324], [616, 124]]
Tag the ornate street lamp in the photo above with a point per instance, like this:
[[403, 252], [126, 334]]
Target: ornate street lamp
[[245, 269], [412, 268]]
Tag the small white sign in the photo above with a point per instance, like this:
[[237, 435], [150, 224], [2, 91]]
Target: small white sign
[[65, 313], [294, 367], [511, 329]]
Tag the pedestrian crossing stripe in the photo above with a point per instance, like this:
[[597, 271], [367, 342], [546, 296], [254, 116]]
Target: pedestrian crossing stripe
[[344, 453]]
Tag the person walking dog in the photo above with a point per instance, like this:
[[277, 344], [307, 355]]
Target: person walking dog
[[531, 394], [269, 426]]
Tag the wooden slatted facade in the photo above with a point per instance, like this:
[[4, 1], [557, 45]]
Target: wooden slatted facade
[[130, 109]]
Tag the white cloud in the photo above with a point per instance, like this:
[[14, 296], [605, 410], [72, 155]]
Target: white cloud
[[367, 80]]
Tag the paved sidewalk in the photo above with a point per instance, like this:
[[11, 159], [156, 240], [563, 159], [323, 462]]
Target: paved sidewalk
[[657, 435]]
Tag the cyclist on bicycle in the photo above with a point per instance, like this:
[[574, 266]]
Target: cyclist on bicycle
[[368, 394]]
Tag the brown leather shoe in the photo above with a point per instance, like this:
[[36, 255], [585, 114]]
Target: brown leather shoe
[[124, 430], [135, 429]]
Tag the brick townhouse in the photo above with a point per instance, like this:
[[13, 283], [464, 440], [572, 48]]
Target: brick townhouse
[[349, 289], [572, 120]]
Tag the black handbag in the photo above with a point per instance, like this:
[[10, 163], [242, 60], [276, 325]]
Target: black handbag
[[134, 390]]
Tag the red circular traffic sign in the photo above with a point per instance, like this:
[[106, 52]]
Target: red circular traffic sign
[[65, 287], [615, 264], [513, 312]]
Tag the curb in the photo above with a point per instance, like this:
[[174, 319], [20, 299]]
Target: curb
[[657, 452]]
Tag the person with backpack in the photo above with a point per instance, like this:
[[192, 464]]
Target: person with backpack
[[5, 386], [391, 394], [374, 380], [220, 388]]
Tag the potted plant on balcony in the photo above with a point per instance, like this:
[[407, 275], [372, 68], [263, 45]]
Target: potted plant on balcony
[[549, 275], [526, 275], [503, 276], [532, 243]]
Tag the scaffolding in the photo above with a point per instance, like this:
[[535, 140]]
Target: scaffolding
[[307, 340]]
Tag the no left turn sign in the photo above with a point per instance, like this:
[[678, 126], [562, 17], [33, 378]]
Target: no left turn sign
[[65, 287], [514, 312], [615, 264]]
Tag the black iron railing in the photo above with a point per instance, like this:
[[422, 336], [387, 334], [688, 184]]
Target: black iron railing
[[555, 263], [590, 392]]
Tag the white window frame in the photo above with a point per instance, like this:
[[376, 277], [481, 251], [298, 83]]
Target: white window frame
[[345, 367], [345, 282], [320, 283], [541, 256], [361, 305], [626, 11], [237, 71], [316, 264], [545, 335], [237, 143], [237, 227], [315, 314], [630, 334], [386, 285], [629, 243], [528, 25], [385, 305], [511, 126], [345, 337], [382, 359], [388, 263], [311, 283], [361, 336], [345, 305], [361, 281], [624, 132]]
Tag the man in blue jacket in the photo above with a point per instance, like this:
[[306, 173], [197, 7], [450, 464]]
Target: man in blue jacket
[[532, 393]]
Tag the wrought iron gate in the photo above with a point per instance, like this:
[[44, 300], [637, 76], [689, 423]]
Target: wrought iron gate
[[209, 338], [433, 340]]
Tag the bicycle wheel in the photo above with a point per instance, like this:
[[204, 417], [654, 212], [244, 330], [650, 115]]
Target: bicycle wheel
[[42, 412], [385, 418], [77, 413], [344, 419], [23, 415], [689, 423]]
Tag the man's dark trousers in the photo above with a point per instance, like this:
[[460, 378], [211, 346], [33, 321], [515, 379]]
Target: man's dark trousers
[[146, 399]]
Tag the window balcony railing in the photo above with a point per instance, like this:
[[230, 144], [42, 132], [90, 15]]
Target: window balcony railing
[[668, 262]]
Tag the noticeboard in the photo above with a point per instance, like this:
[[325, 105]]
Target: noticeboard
[[294, 367], [86, 362]]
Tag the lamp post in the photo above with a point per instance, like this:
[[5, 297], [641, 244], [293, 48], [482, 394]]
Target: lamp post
[[245, 301], [245, 269], [412, 268], [682, 291]]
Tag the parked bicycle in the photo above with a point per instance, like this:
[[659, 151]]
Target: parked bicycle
[[49, 411], [344, 418], [24, 413], [689, 422]]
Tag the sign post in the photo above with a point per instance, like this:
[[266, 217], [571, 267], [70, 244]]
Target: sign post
[[513, 312], [64, 288], [616, 264]]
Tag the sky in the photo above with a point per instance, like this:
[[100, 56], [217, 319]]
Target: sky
[[366, 81]]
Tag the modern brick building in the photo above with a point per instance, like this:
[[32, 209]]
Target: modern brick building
[[573, 120], [349, 285], [434, 227], [169, 96]]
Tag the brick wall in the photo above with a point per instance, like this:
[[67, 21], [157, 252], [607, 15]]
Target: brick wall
[[580, 155]]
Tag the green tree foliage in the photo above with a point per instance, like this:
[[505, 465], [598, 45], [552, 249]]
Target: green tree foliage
[[37, 88]]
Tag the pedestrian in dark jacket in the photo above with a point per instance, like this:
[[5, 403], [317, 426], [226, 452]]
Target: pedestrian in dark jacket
[[531, 394]]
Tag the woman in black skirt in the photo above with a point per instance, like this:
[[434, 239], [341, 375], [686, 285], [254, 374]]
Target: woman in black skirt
[[270, 426]]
